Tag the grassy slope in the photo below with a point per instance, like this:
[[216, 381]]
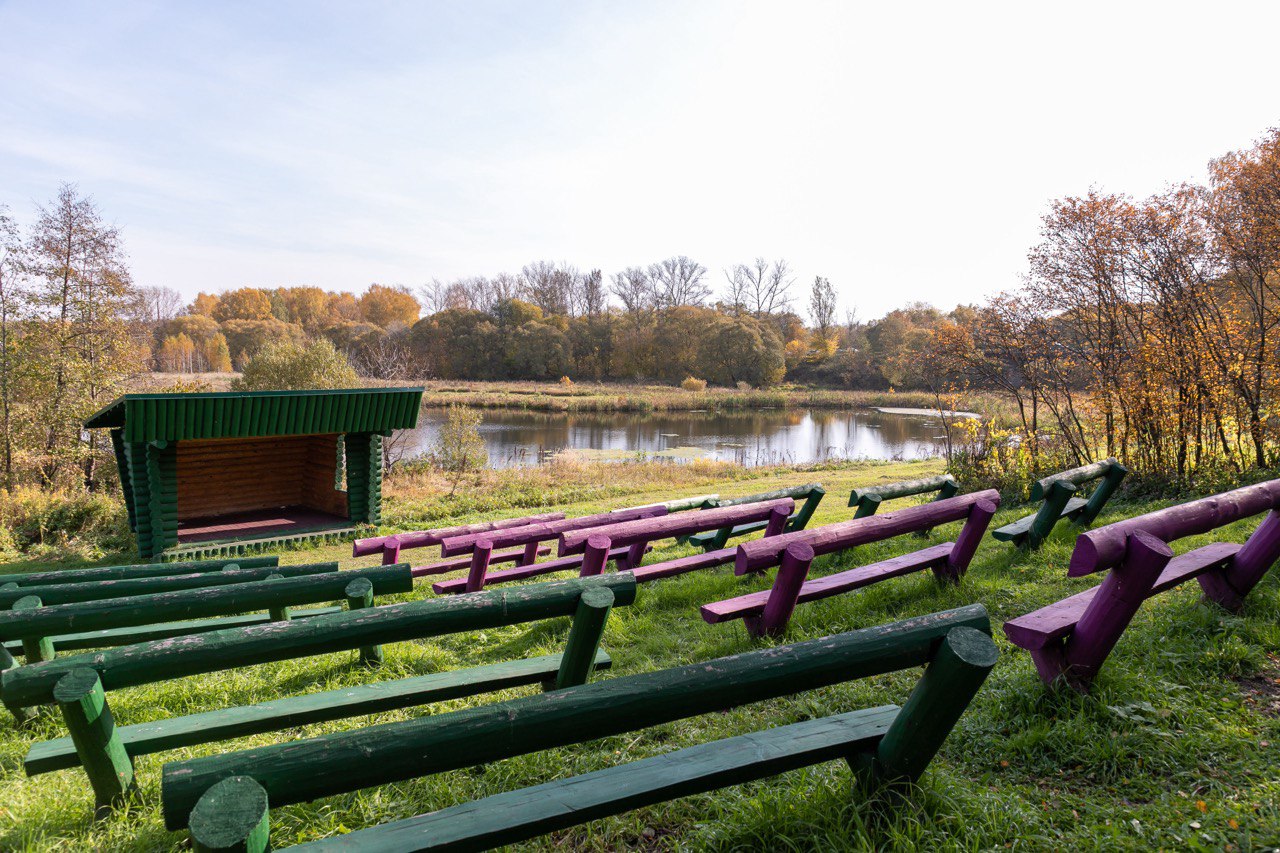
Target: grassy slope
[[1171, 752]]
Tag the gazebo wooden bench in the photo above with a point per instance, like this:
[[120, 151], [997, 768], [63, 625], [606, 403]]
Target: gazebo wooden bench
[[767, 612], [78, 684], [1057, 502], [810, 493], [1071, 639], [226, 799]]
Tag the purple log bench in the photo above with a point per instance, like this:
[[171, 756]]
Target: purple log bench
[[391, 546], [766, 613], [476, 549], [637, 535], [1071, 639]]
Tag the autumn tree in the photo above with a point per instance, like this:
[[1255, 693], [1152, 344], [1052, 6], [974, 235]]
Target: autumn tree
[[679, 280], [247, 303], [389, 307], [760, 288]]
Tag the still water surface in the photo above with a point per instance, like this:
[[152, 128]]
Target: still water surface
[[762, 437]]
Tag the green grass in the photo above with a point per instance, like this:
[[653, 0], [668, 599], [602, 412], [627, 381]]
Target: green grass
[[1175, 750]]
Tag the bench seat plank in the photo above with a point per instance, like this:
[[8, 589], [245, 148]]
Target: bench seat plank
[[464, 561], [228, 723], [679, 566], [519, 573], [521, 815], [1041, 627], [139, 634], [753, 603], [1022, 527]]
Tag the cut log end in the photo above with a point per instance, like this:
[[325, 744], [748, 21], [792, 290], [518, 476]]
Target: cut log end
[[231, 816], [75, 685]]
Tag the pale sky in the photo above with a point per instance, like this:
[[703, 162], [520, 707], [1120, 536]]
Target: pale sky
[[904, 150]]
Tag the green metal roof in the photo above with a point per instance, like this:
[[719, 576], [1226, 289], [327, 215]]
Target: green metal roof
[[174, 417]]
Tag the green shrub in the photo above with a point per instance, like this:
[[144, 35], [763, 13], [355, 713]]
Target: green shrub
[[692, 384], [289, 366], [459, 449], [62, 525]]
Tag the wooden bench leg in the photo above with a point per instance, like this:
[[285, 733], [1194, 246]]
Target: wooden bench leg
[[944, 691], [946, 490], [1113, 607], [34, 649], [84, 706], [530, 555], [596, 555], [584, 637], [1102, 494], [479, 565], [1047, 516], [634, 557], [777, 523], [231, 817], [391, 552], [359, 595], [1258, 554], [20, 714], [975, 527], [867, 506], [281, 613], [785, 593]]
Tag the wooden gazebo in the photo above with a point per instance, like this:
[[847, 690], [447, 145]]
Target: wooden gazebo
[[217, 472]]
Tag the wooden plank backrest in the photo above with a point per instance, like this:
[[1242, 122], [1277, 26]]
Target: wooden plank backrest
[[466, 543], [670, 526], [763, 553], [304, 770], [198, 603], [161, 660], [141, 570]]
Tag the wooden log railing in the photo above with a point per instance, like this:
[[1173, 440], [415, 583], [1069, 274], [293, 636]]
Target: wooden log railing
[[78, 684], [1058, 501], [141, 570], [1071, 639], [868, 499], [886, 744], [390, 546], [767, 612]]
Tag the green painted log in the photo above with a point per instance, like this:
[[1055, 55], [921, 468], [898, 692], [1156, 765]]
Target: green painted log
[[677, 504], [305, 770], [906, 488], [1055, 501], [70, 593], [949, 683], [584, 637], [84, 707], [359, 594], [232, 818], [35, 647], [1074, 476], [160, 660], [20, 714], [867, 506], [1110, 482], [200, 603], [142, 570]]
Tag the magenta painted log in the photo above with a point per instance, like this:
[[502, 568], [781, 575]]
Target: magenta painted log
[[530, 554], [443, 566], [785, 593], [682, 565], [763, 553], [479, 565], [679, 524], [521, 573], [634, 557], [427, 538], [1257, 556], [1104, 548], [454, 545], [966, 544], [391, 554], [595, 555], [777, 522], [1117, 600]]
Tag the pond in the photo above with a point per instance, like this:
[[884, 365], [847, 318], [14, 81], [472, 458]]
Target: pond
[[760, 437]]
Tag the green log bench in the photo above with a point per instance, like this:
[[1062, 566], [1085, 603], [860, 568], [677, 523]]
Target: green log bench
[[106, 750], [766, 613], [1071, 639], [867, 500], [1056, 493], [714, 540], [122, 621], [137, 570], [590, 549], [225, 799]]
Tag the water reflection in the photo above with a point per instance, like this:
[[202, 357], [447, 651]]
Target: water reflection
[[758, 437]]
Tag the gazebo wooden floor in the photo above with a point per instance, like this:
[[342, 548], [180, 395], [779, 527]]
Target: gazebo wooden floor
[[259, 523]]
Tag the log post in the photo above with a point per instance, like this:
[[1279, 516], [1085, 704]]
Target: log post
[[966, 544], [479, 565], [949, 489], [1110, 482], [84, 706], [1055, 501], [777, 523], [391, 551], [34, 649], [20, 713], [1256, 556], [231, 817], [584, 637], [595, 555], [867, 505], [946, 688], [1113, 607], [280, 613], [359, 596], [530, 555], [785, 593], [634, 556]]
